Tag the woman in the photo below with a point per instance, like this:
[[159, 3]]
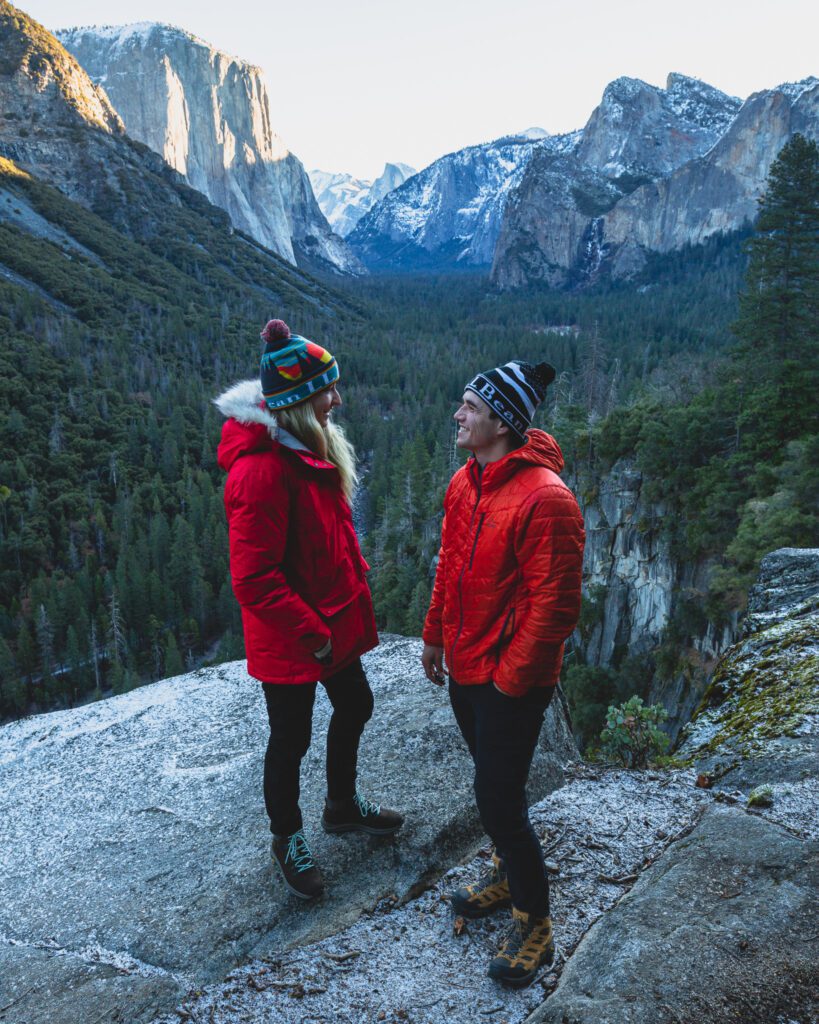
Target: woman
[[299, 576]]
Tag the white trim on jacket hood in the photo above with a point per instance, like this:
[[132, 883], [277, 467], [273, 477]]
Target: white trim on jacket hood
[[244, 403]]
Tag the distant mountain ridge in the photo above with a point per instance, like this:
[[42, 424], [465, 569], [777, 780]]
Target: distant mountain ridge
[[621, 199], [344, 199], [208, 115], [449, 213], [653, 169], [456, 211]]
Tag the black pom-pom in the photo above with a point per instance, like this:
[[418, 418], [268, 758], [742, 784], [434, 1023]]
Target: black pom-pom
[[545, 373]]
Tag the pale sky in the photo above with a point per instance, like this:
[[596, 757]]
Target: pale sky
[[354, 84]]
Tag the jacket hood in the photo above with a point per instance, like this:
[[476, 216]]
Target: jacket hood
[[540, 449], [244, 402], [250, 427]]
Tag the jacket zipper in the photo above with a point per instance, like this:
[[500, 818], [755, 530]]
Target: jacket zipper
[[467, 566]]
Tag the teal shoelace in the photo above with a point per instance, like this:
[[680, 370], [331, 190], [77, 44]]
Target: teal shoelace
[[298, 852], [365, 806]]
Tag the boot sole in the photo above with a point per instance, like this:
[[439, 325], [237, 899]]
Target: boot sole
[[338, 829], [301, 895], [475, 913]]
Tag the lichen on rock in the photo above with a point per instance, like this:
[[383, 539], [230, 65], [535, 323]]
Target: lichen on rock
[[766, 687]]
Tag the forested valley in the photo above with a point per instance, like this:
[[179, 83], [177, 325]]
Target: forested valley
[[113, 544]]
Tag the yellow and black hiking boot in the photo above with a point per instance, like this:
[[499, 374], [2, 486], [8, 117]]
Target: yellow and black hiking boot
[[490, 892], [528, 946]]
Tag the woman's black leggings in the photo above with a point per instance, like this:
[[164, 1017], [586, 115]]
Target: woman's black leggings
[[290, 712]]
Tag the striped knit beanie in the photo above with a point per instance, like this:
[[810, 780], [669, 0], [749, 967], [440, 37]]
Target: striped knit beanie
[[293, 369], [514, 391]]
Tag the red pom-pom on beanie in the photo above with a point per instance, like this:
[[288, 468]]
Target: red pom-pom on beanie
[[275, 330]]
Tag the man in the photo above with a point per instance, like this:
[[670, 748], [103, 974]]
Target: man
[[506, 596]]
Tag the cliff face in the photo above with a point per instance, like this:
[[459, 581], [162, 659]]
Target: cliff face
[[344, 199], [759, 719], [46, 98], [208, 115], [634, 584], [719, 191], [641, 131], [655, 170], [57, 125], [450, 213]]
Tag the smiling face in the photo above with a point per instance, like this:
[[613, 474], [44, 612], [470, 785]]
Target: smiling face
[[485, 435], [324, 402]]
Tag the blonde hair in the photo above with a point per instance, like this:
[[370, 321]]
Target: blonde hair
[[329, 443]]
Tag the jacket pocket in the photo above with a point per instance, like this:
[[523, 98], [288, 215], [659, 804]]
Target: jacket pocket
[[507, 629], [342, 589]]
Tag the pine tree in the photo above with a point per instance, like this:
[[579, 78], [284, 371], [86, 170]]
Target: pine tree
[[778, 324], [45, 641], [12, 688], [173, 660]]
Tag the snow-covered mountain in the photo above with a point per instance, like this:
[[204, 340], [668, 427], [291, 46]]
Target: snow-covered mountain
[[656, 170], [344, 199], [208, 115], [459, 209], [449, 213], [642, 131]]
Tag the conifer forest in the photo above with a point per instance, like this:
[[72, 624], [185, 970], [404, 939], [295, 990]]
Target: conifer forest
[[113, 542]]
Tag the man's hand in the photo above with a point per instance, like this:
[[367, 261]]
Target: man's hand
[[433, 661]]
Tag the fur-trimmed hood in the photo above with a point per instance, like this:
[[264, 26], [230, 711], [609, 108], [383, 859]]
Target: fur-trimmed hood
[[250, 427], [244, 402]]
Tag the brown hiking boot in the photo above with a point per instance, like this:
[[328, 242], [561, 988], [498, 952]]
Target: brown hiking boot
[[528, 946], [490, 892], [361, 815], [295, 861]]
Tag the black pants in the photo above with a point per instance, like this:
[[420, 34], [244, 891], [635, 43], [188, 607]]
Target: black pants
[[290, 712], [501, 733]]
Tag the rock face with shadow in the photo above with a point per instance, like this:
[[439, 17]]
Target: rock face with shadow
[[134, 847], [723, 926], [634, 583], [209, 115]]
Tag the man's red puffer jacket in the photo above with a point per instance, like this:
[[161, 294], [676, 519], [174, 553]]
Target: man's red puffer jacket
[[507, 587], [295, 564]]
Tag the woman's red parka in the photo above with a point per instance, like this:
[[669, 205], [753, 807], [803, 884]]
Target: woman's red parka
[[295, 564]]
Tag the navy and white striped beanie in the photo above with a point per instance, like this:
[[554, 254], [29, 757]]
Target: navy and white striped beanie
[[514, 391]]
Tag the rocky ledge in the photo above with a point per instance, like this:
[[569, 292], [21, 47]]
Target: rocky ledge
[[134, 848], [679, 896], [723, 927]]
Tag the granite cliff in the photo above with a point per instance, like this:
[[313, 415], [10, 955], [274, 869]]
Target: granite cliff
[[716, 192], [450, 213], [344, 199], [634, 585], [48, 102], [209, 116], [655, 170]]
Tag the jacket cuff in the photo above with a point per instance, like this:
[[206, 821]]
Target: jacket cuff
[[432, 636]]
